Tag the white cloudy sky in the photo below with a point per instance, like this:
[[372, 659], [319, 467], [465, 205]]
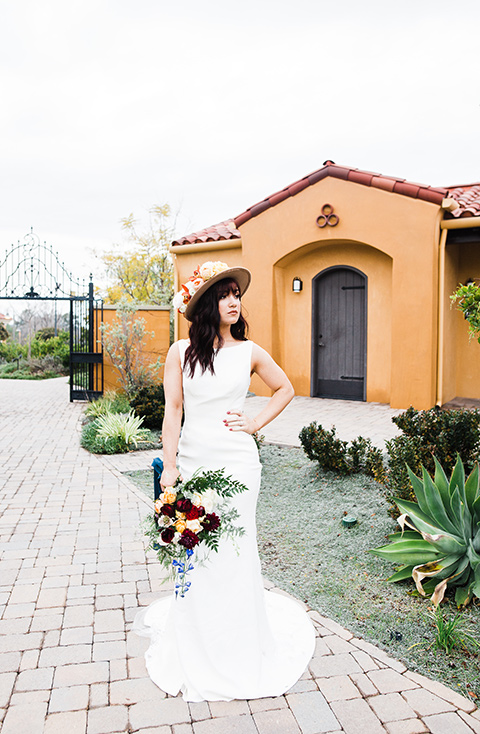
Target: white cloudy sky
[[112, 106]]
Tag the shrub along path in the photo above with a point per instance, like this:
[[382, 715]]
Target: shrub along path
[[74, 572]]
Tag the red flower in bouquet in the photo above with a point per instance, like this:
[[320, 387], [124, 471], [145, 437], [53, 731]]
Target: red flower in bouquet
[[167, 535], [211, 522], [167, 510], [189, 539], [183, 505], [195, 513]]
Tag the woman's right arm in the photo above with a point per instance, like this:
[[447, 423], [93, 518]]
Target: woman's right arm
[[173, 386]]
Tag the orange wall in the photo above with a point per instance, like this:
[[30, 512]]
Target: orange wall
[[157, 320], [452, 326], [463, 351], [392, 239]]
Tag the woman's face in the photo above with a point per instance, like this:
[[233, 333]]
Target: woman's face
[[229, 305]]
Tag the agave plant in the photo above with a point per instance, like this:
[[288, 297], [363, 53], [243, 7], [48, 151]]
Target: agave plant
[[443, 542], [123, 426]]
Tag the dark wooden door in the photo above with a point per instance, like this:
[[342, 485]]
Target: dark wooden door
[[339, 335]]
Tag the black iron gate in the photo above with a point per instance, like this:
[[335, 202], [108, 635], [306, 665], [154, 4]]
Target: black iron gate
[[32, 271], [86, 355]]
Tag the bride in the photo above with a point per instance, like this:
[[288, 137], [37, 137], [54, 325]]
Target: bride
[[226, 638]]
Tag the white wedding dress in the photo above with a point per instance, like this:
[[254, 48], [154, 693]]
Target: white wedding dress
[[226, 638]]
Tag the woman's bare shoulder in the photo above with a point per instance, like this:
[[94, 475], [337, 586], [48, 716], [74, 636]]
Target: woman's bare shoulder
[[259, 354], [174, 352]]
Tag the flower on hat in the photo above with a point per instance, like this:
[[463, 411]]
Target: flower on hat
[[200, 276]]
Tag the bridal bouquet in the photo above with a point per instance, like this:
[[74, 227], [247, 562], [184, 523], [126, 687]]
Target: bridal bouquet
[[189, 516]]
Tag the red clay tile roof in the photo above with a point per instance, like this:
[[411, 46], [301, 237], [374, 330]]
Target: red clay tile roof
[[468, 198], [222, 231], [365, 178]]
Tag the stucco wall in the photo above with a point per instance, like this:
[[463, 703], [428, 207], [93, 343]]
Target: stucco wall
[[465, 352], [452, 327], [157, 320]]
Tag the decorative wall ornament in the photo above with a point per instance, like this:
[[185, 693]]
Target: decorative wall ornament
[[327, 217]]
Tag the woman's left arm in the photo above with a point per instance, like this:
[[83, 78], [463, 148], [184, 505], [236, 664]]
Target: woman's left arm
[[274, 378]]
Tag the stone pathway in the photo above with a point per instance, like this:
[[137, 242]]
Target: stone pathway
[[351, 419], [73, 573]]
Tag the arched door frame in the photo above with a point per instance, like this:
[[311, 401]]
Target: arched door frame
[[314, 325]]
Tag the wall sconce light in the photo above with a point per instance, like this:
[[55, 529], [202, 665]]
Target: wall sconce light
[[297, 285]]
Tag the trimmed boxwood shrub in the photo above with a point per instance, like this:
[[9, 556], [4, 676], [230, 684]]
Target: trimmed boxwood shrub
[[339, 456]]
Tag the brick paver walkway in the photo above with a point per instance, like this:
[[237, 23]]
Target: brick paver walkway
[[351, 419], [73, 573]]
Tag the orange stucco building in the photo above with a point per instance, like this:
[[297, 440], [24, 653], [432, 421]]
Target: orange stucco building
[[352, 274]]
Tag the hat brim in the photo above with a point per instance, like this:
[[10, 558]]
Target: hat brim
[[242, 276]]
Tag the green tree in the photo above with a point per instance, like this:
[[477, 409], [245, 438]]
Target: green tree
[[3, 333], [143, 272], [467, 298]]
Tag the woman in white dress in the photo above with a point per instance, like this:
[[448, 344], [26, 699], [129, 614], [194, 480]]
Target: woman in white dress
[[226, 638]]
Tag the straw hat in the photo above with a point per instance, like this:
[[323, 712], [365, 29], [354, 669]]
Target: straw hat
[[203, 278]]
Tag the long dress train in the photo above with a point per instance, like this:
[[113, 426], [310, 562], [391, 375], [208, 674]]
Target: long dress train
[[226, 638]]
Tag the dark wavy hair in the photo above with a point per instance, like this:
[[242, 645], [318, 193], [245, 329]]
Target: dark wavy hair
[[205, 328]]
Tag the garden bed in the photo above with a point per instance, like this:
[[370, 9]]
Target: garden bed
[[10, 371], [306, 550]]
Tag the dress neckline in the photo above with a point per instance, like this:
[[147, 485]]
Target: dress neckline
[[239, 344]]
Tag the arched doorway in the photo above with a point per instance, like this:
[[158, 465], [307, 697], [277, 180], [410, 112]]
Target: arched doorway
[[339, 334]]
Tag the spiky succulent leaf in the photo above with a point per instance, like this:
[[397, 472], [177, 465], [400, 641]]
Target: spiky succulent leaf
[[406, 535], [436, 508], [473, 557], [424, 523], [476, 583], [440, 568], [463, 595], [465, 576], [446, 543], [403, 573], [476, 540], [443, 571], [476, 510], [458, 478], [441, 482], [410, 552], [456, 505], [419, 491], [472, 490], [439, 592]]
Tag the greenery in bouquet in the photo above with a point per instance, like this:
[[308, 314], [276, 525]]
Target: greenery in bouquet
[[192, 515]]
